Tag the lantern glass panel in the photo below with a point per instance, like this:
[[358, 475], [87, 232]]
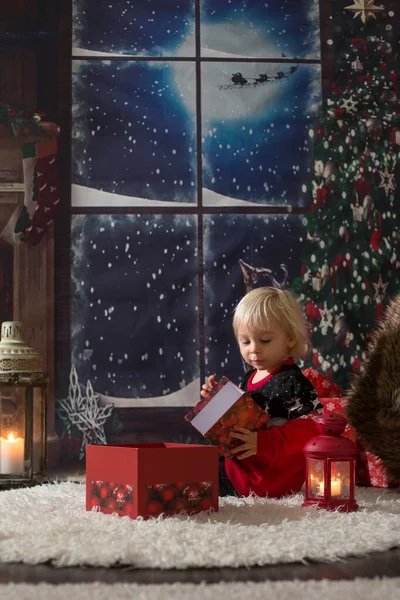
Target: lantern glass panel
[[315, 478], [340, 479], [12, 430]]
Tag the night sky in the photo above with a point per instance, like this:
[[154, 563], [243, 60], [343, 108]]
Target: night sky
[[250, 28], [265, 241], [134, 308], [132, 134]]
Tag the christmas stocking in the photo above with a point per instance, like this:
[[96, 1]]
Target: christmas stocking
[[42, 190]]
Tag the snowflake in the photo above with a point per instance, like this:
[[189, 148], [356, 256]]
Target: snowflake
[[330, 406], [387, 181], [349, 104], [84, 413], [326, 319]]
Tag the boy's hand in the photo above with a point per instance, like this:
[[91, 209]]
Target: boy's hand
[[249, 439], [207, 387]]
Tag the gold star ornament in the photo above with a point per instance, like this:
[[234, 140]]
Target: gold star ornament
[[364, 9]]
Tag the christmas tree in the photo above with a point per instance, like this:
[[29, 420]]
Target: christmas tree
[[351, 258]]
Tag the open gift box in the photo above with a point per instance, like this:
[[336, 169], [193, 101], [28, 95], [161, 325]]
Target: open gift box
[[149, 479]]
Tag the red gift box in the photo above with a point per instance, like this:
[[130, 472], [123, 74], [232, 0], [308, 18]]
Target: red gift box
[[323, 385], [226, 406], [370, 471], [149, 479]]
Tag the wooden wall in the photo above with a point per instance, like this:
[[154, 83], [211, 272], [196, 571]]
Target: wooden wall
[[34, 73]]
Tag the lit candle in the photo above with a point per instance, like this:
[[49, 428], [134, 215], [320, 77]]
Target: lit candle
[[336, 488], [11, 455]]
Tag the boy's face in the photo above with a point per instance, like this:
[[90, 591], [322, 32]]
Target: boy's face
[[264, 350]]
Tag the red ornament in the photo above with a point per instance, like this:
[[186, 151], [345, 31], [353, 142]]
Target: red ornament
[[96, 502], [330, 466], [379, 311], [356, 365], [321, 197], [155, 508], [110, 503], [315, 360], [376, 240], [362, 188], [104, 491], [168, 495], [312, 311]]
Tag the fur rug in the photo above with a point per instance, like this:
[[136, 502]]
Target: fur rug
[[359, 589], [374, 398], [49, 523]]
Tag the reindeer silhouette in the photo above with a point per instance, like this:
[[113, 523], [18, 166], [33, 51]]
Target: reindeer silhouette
[[252, 275]]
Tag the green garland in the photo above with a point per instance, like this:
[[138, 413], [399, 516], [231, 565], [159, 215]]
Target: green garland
[[19, 119]]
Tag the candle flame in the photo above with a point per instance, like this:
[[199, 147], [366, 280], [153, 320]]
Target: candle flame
[[11, 437]]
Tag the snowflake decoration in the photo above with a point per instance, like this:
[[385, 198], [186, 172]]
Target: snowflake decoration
[[380, 290], [84, 413], [326, 319], [364, 9], [349, 104], [387, 181]]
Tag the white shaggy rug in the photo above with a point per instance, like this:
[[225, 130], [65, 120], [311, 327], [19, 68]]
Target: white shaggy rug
[[359, 589], [50, 523]]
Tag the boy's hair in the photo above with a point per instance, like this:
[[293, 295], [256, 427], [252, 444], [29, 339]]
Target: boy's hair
[[269, 306]]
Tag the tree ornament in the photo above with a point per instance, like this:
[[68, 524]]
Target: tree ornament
[[358, 213], [341, 332], [325, 272], [349, 105], [380, 289], [356, 365], [364, 9], [387, 182], [344, 232], [326, 319], [376, 240], [388, 96], [357, 65], [374, 127], [312, 311], [317, 282]]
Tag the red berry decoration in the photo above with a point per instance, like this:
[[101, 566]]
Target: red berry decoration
[[110, 503], [104, 491], [128, 508], [168, 495], [95, 502], [154, 508], [205, 503]]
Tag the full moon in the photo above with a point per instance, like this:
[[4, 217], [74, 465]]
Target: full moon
[[229, 40]]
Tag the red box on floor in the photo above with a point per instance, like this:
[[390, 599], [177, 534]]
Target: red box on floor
[[149, 479]]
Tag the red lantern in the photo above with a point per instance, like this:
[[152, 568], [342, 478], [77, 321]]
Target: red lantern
[[330, 466]]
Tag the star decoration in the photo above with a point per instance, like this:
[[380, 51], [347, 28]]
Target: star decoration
[[326, 319], [387, 181], [349, 104], [84, 413], [380, 289], [364, 8]]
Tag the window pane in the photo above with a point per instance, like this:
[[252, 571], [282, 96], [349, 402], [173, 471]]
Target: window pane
[[132, 28], [256, 119], [253, 28], [134, 134], [134, 308]]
